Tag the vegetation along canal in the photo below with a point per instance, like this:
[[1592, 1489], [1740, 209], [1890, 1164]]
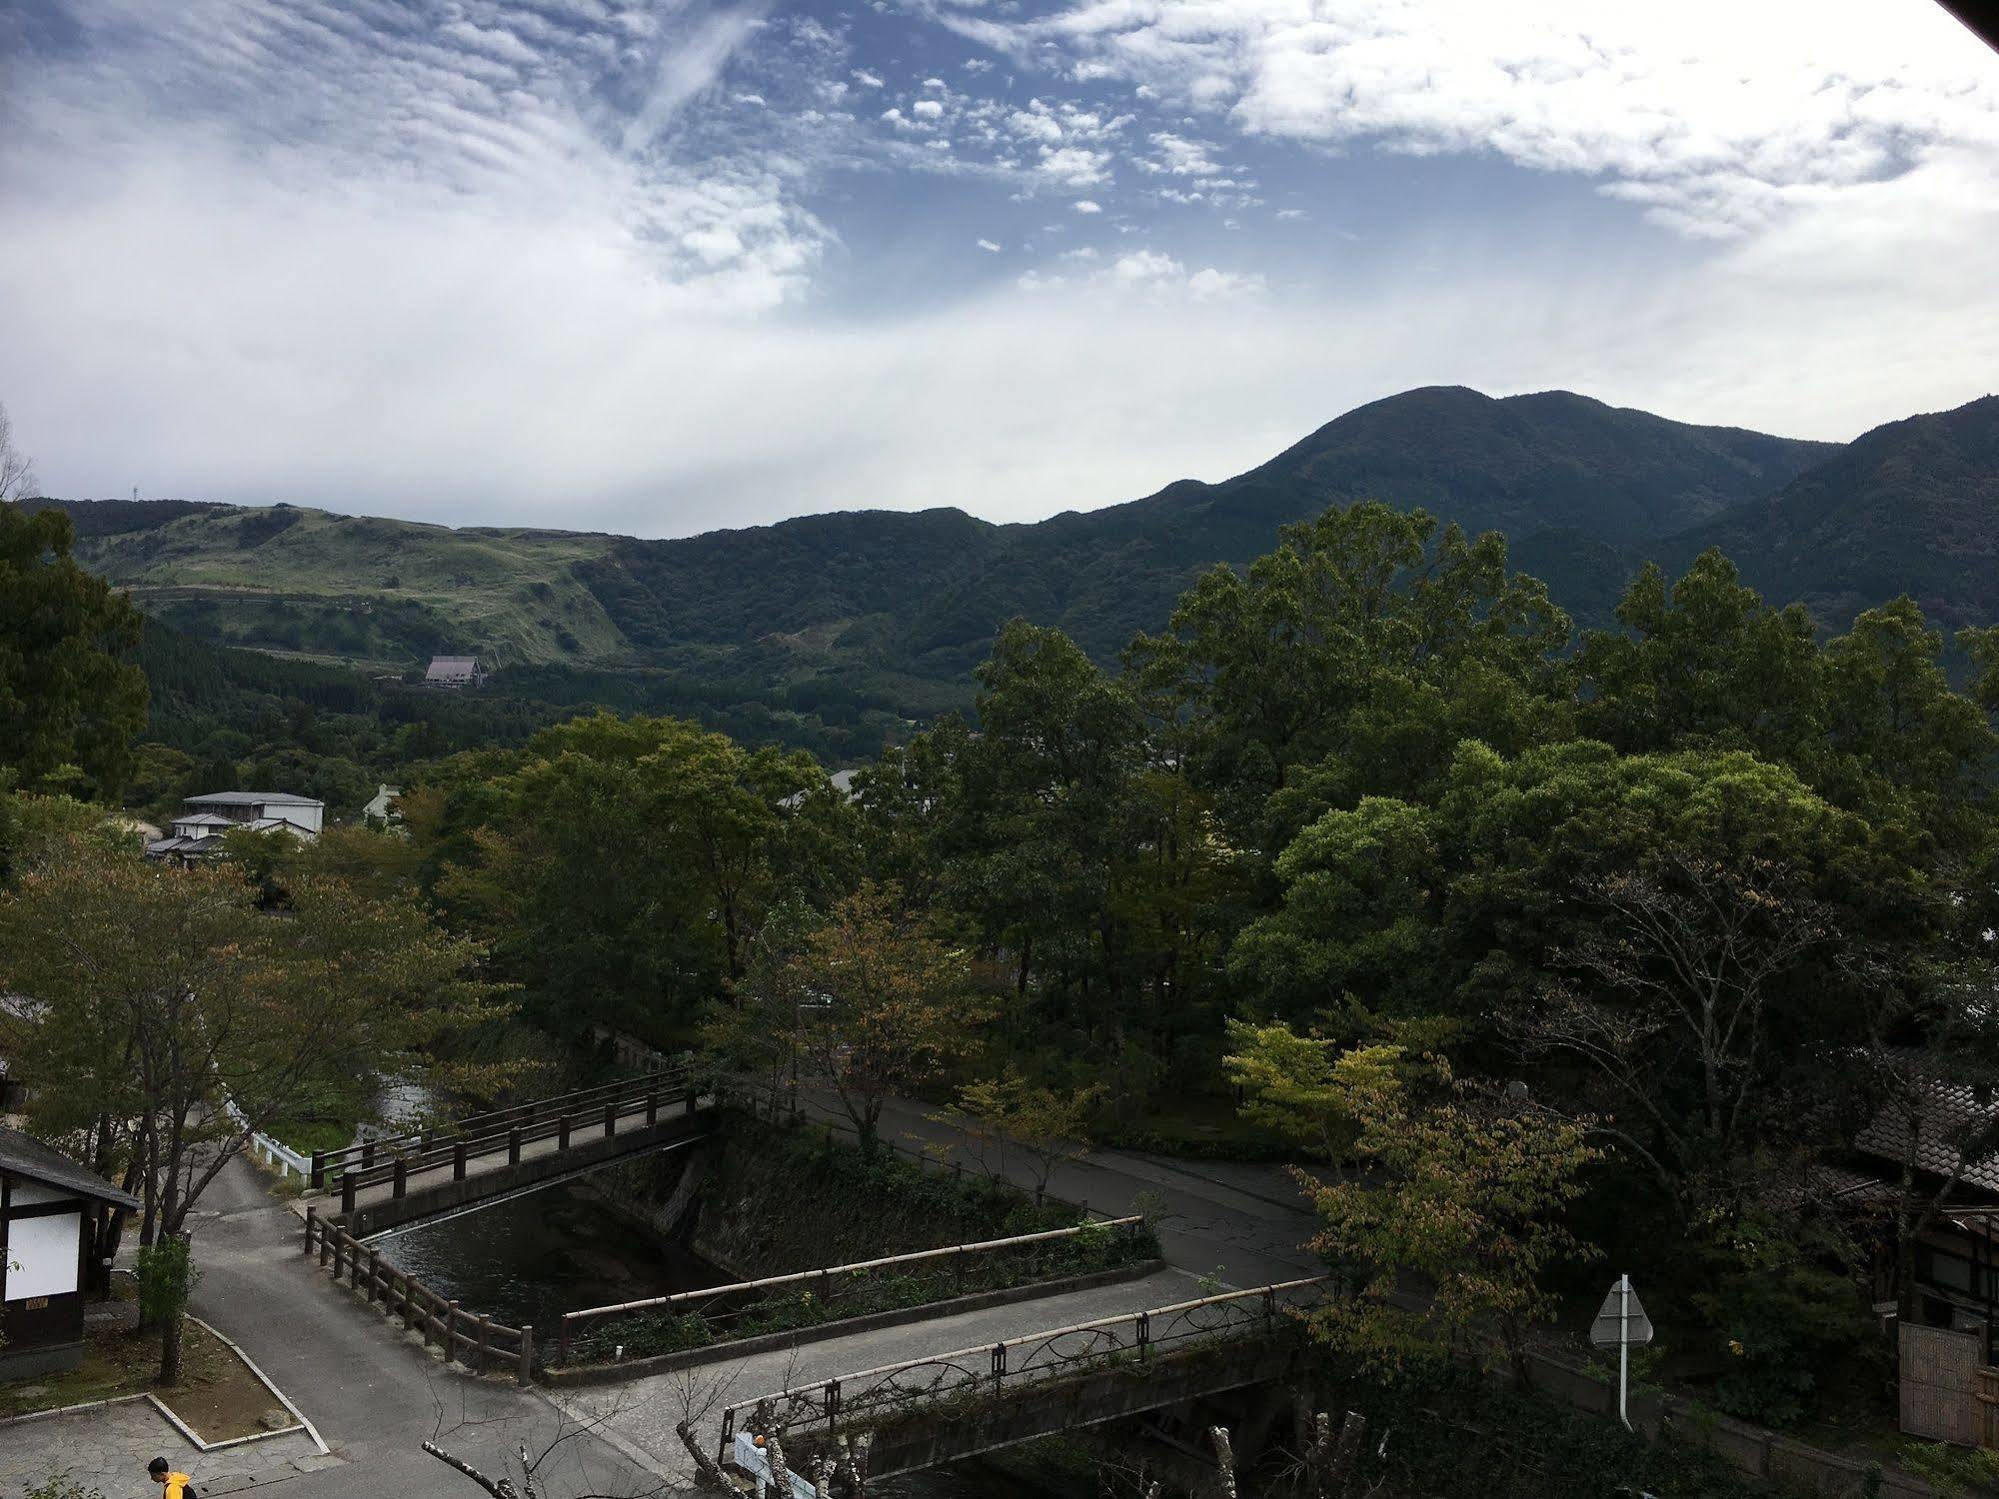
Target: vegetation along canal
[[529, 1259]]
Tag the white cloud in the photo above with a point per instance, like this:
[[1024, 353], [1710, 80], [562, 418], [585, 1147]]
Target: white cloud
[[989, 246], [1086, 205], [866, 79], [1718, 117], [1073, 166], [927, 109]]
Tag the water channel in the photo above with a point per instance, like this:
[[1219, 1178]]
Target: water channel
[[528, 1259]]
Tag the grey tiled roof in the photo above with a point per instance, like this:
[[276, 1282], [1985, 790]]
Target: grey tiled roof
[[1951, 1109], [24, 1155]]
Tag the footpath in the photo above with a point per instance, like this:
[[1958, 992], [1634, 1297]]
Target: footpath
[[373, 1399]]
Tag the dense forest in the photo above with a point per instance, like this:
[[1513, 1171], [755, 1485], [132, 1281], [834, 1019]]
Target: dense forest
[[1364, 856]]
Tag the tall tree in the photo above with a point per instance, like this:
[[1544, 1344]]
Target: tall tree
[[69, 705], [887, 1005], [169, 1019]]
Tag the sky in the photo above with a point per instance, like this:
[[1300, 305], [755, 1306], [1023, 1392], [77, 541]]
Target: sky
[[659, 266]]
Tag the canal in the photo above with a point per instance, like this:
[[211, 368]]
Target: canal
[[529, 1259]]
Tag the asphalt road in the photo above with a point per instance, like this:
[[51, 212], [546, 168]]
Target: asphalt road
[[374, 1396]]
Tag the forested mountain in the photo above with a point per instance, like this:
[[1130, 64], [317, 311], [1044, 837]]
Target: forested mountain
[[923, 593], [1911, 507]]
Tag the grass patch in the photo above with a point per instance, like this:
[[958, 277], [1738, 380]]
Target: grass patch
[[218, 1397]]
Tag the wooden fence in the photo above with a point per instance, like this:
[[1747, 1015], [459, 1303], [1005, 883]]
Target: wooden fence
[[396, 1160], [472, 1339]]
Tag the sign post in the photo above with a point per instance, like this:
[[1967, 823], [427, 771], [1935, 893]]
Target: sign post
[[1621, 1321]]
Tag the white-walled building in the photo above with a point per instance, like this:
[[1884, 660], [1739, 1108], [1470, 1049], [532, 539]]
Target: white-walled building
[[48, 1216], [197, 832]]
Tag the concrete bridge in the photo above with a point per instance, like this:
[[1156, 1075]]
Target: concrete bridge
[[1063, 1361], [1036, 1384], [382, 1184]]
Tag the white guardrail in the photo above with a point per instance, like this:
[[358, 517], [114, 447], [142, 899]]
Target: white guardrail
[[271, 1152]]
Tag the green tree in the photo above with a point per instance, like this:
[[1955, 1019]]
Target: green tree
[[167, 1278], [171, 1019], [67, 699], [1350, 661], [1048, 1126], [1462, 1197], [887, 1006]]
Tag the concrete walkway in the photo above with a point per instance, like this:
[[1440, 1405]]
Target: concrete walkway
[[108, 1448], [372, 1394], [640, 1416]]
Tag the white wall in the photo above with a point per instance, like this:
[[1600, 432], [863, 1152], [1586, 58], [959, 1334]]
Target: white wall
[[42, 1255]]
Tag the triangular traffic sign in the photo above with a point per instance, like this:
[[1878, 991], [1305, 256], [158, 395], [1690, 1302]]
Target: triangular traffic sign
[[1621, 1319]]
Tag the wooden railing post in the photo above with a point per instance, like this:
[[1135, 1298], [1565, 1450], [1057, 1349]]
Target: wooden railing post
[[514, 1146], [367, 1155], [562, 1132], [311, 1223], [347, 1194], [450, 1332], [458, 1161], [339, 1254], [524, 1370], [485, 1337], [372, 1258], [652, 1106], [318, 1177], [610, 1120], [402, 1183]]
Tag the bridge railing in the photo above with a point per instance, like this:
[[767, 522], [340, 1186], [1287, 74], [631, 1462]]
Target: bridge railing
[[474, 1340], [396, 1161], [578, 1104], [695, 1319], [873, 1395]]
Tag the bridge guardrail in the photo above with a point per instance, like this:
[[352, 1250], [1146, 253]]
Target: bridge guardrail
[[723, 1311], [872, 1394], [380, 1161], [475, 1340]]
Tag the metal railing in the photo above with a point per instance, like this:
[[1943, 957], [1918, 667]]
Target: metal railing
[[606, 1107], [872, 1395], [809, 1297], [474, 1340]]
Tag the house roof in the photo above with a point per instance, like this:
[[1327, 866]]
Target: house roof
[[454, 663], [1950, 1112], [251, 799], [203, 820], [24, 1155]]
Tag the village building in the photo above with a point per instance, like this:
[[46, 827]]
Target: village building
[[48, 1219], [454, 672], [381, 807], [197, 833]]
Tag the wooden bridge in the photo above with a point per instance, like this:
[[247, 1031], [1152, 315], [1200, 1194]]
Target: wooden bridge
[[383, 1183]]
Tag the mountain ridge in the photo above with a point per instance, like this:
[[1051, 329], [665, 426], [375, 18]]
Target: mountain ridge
[[896, 607]]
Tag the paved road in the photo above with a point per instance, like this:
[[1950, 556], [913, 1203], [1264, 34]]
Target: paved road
[[1241, 1224], [373, 1395]]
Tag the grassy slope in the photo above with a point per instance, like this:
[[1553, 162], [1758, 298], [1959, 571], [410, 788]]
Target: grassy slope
[[508, 595]]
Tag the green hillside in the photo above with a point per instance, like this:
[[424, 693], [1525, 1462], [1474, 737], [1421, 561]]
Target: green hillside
[[864, 620], [359, 588], [1911, 507]]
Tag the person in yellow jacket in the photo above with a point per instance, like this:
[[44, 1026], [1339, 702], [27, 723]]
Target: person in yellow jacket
[[172, 1485]]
